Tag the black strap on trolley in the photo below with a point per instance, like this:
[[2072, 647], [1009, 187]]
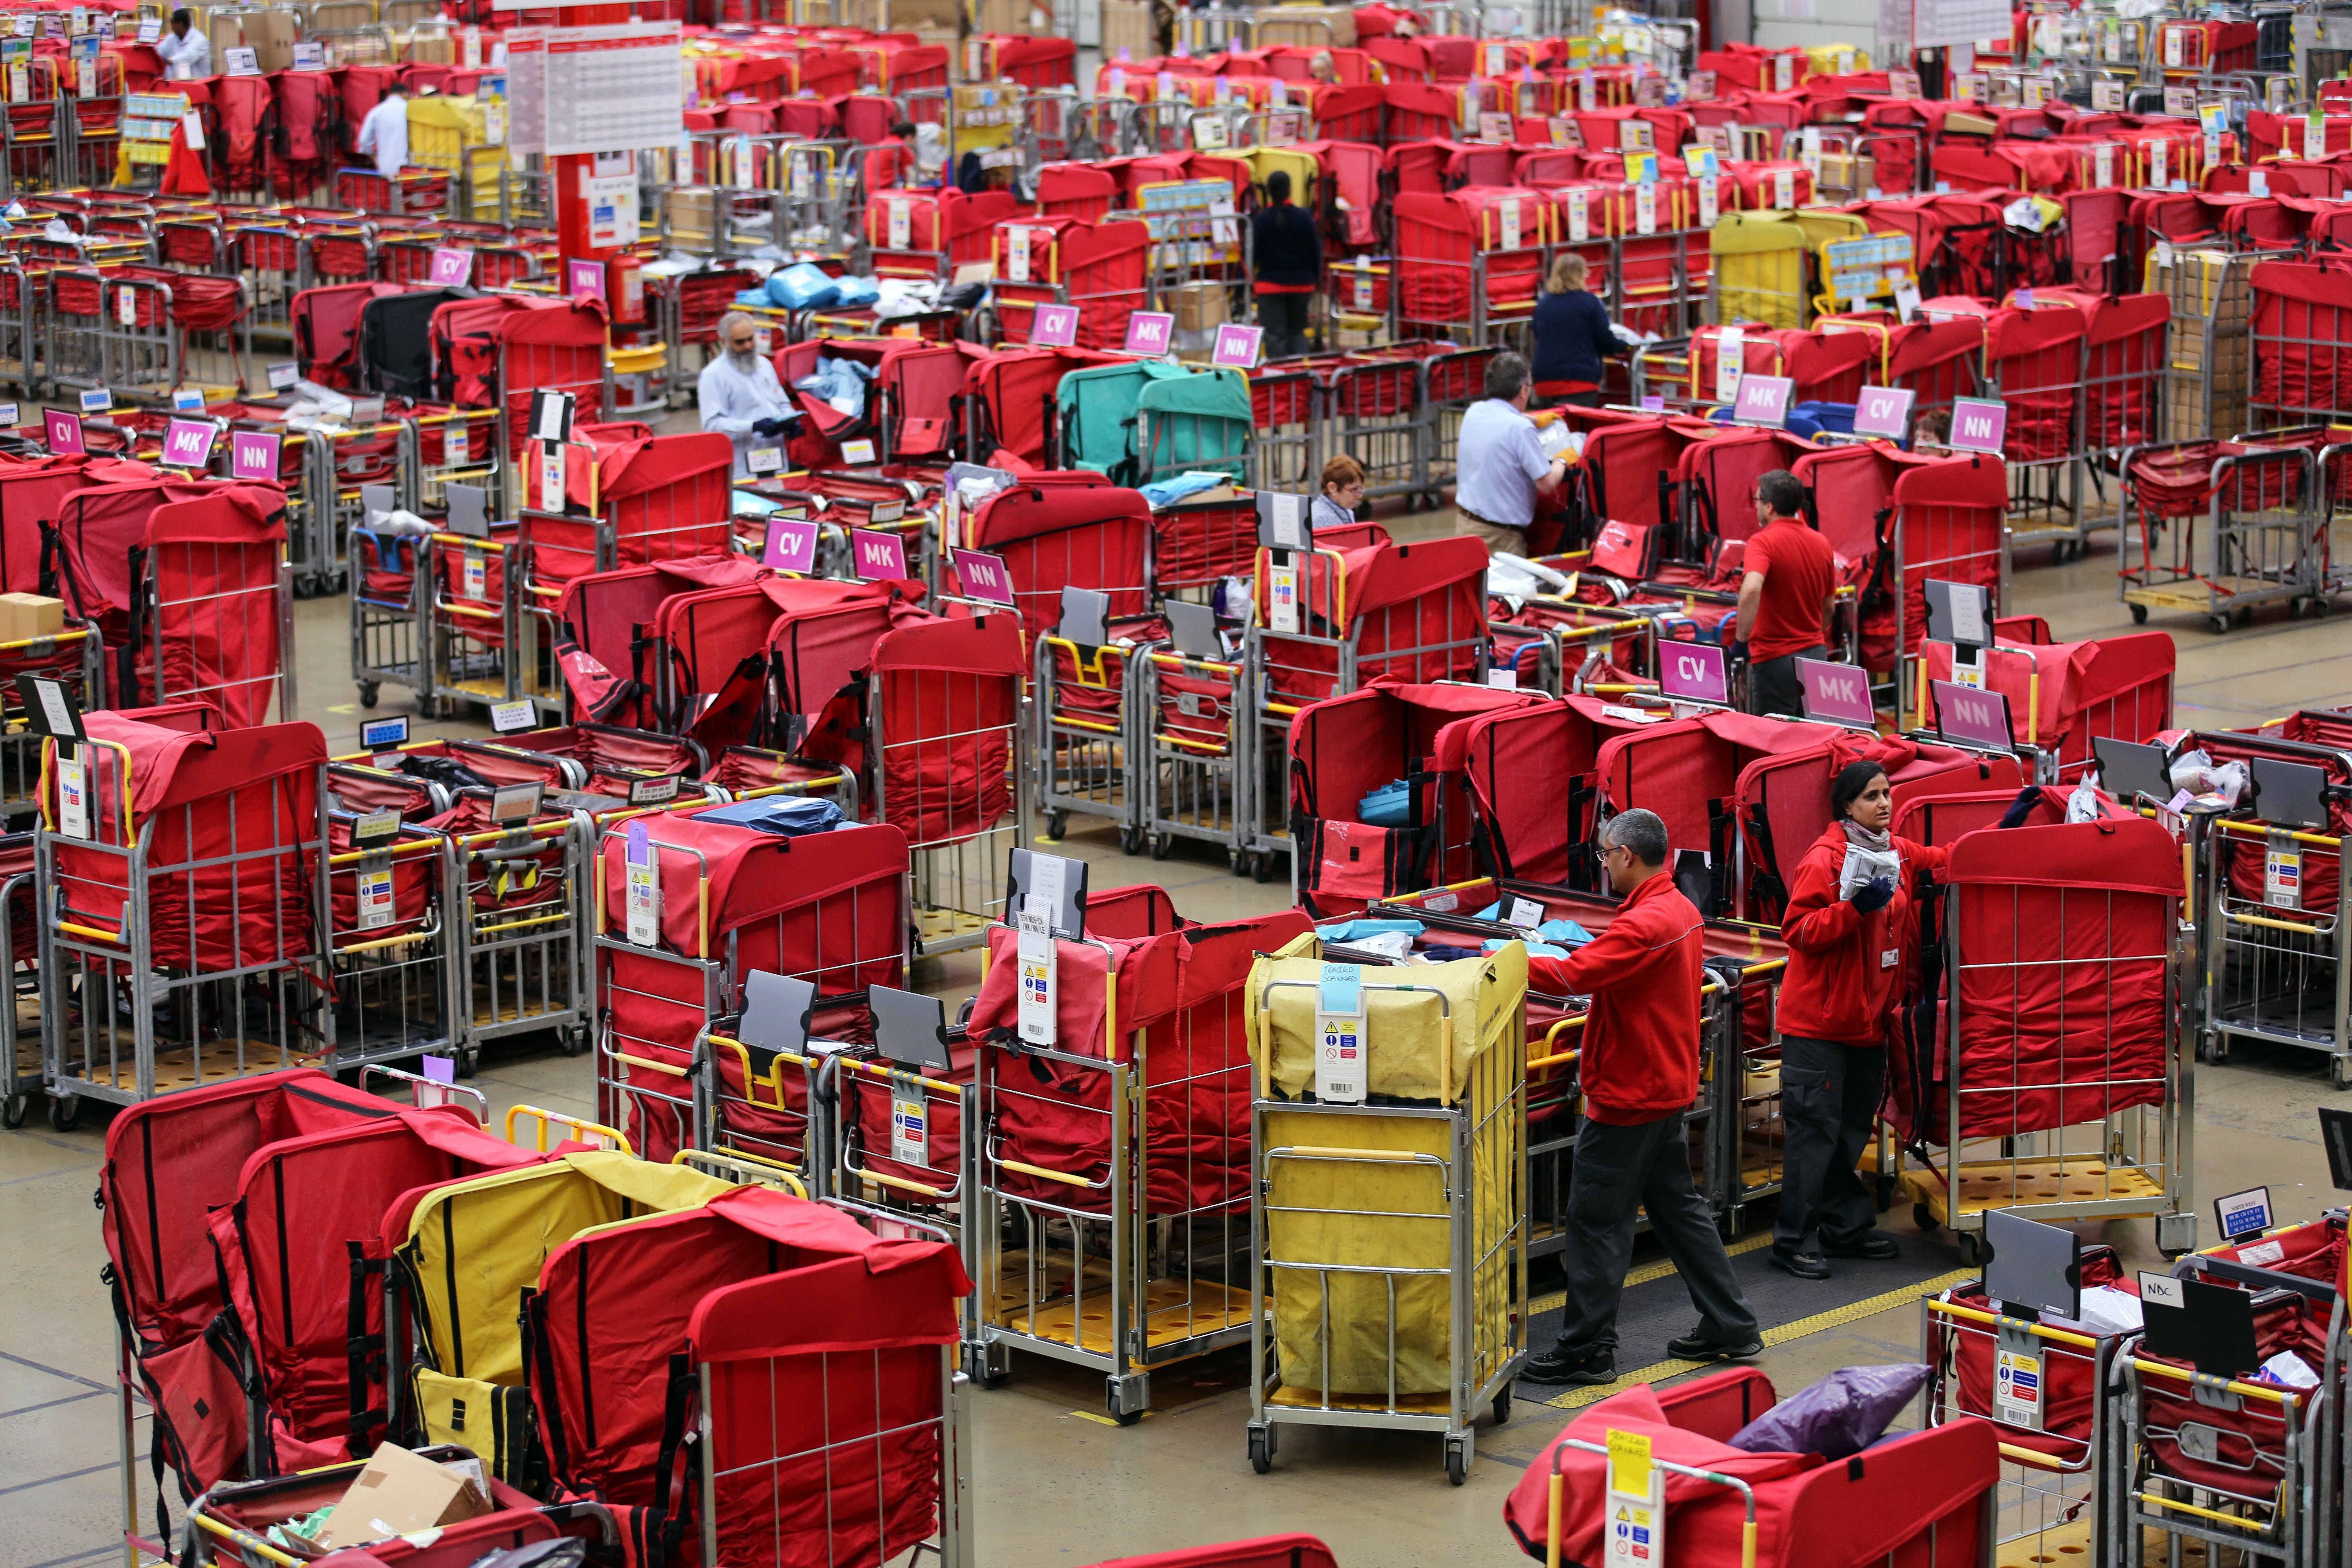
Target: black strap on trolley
[[363, 1352]]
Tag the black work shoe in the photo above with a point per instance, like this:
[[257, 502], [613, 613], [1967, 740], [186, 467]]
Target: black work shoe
[[1869, 1244], [1572, 1366], [1803, 1265], [1699, 1347]]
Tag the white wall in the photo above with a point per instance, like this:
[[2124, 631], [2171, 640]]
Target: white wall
[[1800, 24]]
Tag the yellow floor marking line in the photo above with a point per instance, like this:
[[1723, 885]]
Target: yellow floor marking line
[[1853, 1312]]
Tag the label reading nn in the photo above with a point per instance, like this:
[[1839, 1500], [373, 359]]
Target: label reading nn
[[1237, 347], [583, 279], [1973, 718], [984, 577], [1978, 425], [253, 454]]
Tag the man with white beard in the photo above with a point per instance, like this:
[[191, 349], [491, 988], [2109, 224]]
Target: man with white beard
[[739, 396]]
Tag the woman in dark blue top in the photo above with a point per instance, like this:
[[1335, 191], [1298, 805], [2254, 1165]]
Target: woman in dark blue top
[[1572, 336], [1288, 255]]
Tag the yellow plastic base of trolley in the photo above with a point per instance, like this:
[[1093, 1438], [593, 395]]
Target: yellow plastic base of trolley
[[176, 1069], [935, 925], [2069, 1546], [1174, 1311], [2001, 1183], [485, 1016]]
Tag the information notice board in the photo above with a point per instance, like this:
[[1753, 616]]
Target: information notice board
[[1936, 24], [609, 88], [526, 91], [595, 89]]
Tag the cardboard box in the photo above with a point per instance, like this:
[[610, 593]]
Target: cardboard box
[[1128, 25], [269, 34], [2205, 285], [690, 208], [398, 1494], [24, 616], [433, 45], [1025, 18], [1845, 172], [1309, 27], [1201, 307], [904, 16], [1970, 125]]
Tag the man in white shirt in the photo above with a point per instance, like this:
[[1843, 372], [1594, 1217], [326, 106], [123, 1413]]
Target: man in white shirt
[[741, 398], [383, 134], [186, 53], [1499, 464]]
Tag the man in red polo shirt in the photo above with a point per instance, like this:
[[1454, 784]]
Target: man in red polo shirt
[[1640, 1072], [1784, 599]]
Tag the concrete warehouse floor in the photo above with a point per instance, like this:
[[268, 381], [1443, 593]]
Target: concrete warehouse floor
[[1054, 1484]]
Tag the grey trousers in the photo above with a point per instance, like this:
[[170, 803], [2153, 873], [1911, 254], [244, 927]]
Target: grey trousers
[[1828, 1097], [1619, 1170]]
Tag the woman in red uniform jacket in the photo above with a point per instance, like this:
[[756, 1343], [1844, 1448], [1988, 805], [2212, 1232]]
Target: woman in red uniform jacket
[[1849, 940]]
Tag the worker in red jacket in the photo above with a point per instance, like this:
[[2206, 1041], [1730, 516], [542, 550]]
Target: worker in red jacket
[[1639, 1070], [1850, 928]]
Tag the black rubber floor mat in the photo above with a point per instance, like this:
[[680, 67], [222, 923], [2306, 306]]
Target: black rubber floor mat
[[1658, 1309]]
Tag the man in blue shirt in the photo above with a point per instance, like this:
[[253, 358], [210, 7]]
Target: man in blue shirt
[[741, 396], [1500, 469]]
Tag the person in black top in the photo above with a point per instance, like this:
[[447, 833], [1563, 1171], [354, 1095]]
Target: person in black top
[[1288, 255], [1572, 336]]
